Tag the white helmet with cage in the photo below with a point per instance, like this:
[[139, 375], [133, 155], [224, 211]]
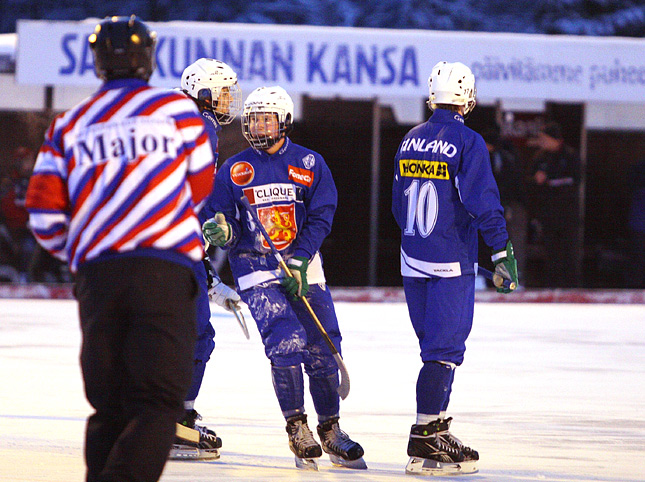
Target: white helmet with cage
[[453, 84], [212, 84], [263, 101]]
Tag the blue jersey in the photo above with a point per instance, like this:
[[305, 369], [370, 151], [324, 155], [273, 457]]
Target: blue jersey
[[443, 192], [295, 197]]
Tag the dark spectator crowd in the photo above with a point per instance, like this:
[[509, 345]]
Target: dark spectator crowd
[[21, 259], [572, 17]]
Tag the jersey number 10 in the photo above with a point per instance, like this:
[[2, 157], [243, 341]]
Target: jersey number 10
[[423, 207]]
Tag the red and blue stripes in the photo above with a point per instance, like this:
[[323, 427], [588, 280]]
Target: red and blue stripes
[[125, 170]]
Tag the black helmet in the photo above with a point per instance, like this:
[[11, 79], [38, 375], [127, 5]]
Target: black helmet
[[123, 47]]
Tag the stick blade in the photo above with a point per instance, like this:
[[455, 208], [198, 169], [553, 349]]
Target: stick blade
[[343, 388], [240, 318], [186, 433]]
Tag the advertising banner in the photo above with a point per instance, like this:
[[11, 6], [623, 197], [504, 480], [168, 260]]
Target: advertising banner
[[355, 62]]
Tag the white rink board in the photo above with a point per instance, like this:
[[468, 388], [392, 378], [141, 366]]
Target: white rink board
[[548, 392]]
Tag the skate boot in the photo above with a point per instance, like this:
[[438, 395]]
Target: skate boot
[[444, 433], [431, 454], [186, 446], [302, 442], [342, 450]]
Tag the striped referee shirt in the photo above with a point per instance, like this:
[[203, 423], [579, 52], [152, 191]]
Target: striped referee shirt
[[124, 172]]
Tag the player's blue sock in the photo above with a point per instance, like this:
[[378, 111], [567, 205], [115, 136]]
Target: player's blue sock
[[433, 387]]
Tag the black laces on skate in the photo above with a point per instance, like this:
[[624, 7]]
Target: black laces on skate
[[335, 438], [335, 441], [453, 441], [301, 438]]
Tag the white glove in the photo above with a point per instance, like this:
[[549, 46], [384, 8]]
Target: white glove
[[224, 296]]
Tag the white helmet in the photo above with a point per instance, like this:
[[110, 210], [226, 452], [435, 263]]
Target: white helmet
[[267, 100], [452, 83], [212, 84]]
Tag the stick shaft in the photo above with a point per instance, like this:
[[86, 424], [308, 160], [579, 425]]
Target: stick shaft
[[497, 280], [238, 313]]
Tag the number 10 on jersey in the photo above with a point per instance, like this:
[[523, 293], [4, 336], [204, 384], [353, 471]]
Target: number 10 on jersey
[[423, 207]]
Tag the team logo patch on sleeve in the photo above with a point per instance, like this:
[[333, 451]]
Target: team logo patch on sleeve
[[424, 169], [242, 173], [301, 176], [308, 161]]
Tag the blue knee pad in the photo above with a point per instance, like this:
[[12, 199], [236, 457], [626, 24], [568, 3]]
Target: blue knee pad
[[433, 387], [289, 387], [324, 392]]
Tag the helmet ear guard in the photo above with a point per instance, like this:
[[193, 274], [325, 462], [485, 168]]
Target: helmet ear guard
[[287, 125], [452, 84], [205, 99], [123, 47]]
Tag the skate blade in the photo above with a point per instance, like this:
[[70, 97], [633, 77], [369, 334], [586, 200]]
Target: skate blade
[[358, 464], [182, 452], [419, 466], [306, 464]]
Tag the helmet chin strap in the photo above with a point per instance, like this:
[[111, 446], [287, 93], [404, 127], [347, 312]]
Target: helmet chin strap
[[276, 145]]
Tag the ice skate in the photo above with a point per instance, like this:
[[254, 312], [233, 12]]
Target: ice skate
[[444, 433], [302, 443], [206, 449], [420, 466], [342, 450], [431, 454]]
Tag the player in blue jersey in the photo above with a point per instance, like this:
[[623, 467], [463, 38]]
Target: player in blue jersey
[[443, 193], [213, 86], [293, 192]]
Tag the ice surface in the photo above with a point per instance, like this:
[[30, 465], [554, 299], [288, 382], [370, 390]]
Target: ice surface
[[548, 392]]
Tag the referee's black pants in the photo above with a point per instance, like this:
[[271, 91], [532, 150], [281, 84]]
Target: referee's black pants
[[138, 321]]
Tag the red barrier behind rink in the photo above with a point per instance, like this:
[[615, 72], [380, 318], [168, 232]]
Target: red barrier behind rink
[[385, 295]]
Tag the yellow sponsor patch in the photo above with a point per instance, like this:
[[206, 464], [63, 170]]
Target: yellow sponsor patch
[[424, 169]]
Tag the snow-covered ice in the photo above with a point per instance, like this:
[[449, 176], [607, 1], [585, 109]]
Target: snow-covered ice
[[548, 392]]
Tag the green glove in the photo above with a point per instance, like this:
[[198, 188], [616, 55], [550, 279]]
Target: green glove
[[297, 286], [217, 231], [506, 266]]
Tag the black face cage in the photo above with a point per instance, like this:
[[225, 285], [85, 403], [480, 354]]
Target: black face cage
[[268, 139], [124, 49]]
